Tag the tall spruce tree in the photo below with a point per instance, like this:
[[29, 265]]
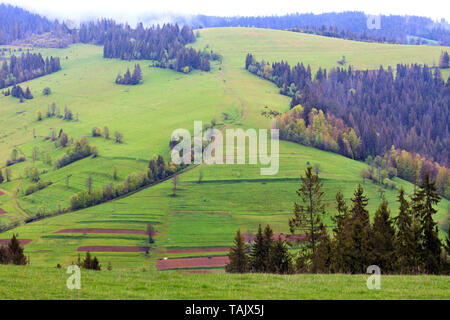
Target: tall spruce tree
[[238, 256], [340, 231], [259, 253], [307, 215], [407, 244], [423, 202], [307, 218], [357, 249], [383, 238]]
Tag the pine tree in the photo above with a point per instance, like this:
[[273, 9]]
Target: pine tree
[[15, 252], [357, 249], [383, 237], [322, 260], [358, 209], [340, 230], [444, 60], [87, 262], [95, 265], [423, 201], [307, 216], [1, 176], [407, 244], [137, 75], [280, 260], [259, 253], [238, 256]]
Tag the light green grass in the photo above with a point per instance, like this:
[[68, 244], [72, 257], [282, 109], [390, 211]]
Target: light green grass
[[50, 283]]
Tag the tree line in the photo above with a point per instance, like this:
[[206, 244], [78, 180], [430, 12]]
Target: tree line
[[394, 28], [408, 110], [157, 170], [335, 32], [409, 166], [406, 244], [26, 67]]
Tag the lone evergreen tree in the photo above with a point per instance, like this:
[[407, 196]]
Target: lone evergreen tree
[[238, 256], [307, 216], [15, 252]]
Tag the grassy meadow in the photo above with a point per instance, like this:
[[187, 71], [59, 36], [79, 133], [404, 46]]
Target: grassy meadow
[[146, 284], [201, 215]]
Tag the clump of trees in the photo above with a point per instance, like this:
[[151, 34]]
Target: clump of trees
[[54, 111], [408, 166], [407, 244], [89, 263], [264, 255], [12, 253], [78, 150], [37, 186], [157, 170], [130, 79], [26, 67], [164, 45], [14, 158], [321, 131], [17, 92]]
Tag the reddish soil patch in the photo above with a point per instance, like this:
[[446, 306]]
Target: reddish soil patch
[[2, 211], [93, 230], [21, 241], [113, 249], [1, 193], [192, 262], [195, 271], [197, 250]]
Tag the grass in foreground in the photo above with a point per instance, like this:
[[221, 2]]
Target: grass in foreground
[[50, 283]]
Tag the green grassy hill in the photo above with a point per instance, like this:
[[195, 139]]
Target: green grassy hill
[[203, 214]]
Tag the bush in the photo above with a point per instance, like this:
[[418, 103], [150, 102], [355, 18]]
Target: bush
[[47, 91]]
